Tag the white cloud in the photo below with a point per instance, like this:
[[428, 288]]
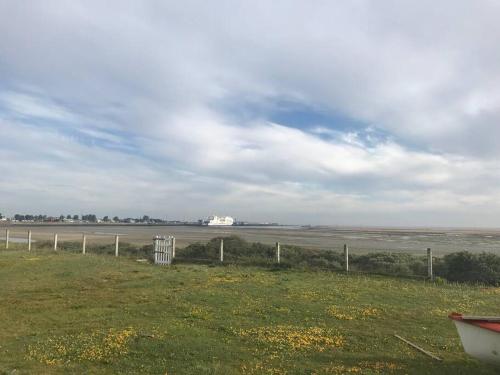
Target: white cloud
[[140, 94], [26, 106]]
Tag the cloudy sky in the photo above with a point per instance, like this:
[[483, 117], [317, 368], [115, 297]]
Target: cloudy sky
[[345, 113]]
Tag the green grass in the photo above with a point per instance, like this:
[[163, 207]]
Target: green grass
[[69, 313]]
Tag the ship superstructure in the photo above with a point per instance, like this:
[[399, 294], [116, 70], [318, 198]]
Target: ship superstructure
[[219, 220]]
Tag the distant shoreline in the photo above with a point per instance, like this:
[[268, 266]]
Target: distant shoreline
[[339, 228]]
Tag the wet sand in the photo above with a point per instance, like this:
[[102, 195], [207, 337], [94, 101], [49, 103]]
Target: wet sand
[[413, 240]]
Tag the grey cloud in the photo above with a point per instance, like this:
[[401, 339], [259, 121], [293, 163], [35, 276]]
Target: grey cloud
[[147, 82]]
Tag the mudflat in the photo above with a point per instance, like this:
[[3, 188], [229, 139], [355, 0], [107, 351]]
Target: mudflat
[[412, 240]]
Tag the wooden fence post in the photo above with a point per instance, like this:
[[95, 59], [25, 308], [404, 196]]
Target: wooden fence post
[[346, 257], [221, 250], [29, 240], [55, 241], [429, 264], [278, 252], [7, 232], [117, 239], [173, 247], [84, 243]]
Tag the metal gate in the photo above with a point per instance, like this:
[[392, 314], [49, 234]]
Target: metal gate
[[163, 249]]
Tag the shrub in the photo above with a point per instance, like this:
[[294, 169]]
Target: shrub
[[464, 266], [388, 263], [236, 250]]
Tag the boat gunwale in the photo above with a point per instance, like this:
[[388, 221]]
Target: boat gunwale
[[490, 323]]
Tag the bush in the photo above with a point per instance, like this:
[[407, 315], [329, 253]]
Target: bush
[[459, 267], [389, 264], [236, 250], [464, 266]]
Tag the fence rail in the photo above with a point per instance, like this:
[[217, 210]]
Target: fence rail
[[163, 251], [27, 238], [462, 266]]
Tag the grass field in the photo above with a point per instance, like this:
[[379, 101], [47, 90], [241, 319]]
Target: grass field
[[69, 313]]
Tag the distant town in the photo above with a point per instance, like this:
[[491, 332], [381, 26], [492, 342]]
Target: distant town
[[145, 220]]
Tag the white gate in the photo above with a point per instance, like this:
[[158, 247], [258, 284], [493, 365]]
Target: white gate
[[163, 249]]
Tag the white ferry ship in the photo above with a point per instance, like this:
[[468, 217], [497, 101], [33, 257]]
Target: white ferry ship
[[219, 220]]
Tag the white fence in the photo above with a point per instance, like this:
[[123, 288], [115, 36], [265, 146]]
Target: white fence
[[164, 249]]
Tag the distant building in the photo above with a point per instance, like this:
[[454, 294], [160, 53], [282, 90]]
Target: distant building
[[219, 221]]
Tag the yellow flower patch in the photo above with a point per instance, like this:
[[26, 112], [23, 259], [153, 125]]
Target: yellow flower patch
[[218, 279], [463, 304], [308, 295], [493, 291], [261, 368], [282, 309], [296, 338], [197, 312], [440, 312], [361, 368], [353, 312], [96, 346]]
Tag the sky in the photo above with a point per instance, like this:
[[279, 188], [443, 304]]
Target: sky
[[382, 113]]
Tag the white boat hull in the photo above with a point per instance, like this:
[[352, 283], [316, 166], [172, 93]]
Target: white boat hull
[[478, 342]]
